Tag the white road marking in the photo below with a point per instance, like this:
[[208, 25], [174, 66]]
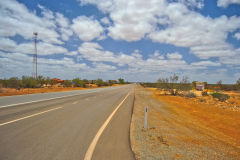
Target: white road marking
[[2, 124], [11, 105], [89, 153]]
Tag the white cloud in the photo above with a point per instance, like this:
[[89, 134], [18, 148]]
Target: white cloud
[[72, 53], [237, 35], [64, 26], [174, 56], [226, 3], [170, 22], [18, 64], [193, 3], [132, 20], [101, 67], [43, 48], [16, 19], [48, 14], [205, 63], [61, 20], [190, 29], [95, 53], [105, 21], [87, 28]]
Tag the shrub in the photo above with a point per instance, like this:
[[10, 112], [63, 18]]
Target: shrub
[[190, 95], [204, 93], [202, 100], [220, 96], [67, 83]]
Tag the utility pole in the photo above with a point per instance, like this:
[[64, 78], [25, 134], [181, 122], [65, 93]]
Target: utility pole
[[34, 73]]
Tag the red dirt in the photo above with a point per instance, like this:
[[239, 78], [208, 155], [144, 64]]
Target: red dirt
[[11, 92]]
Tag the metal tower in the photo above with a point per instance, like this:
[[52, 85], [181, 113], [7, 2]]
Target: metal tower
[[34, 73]]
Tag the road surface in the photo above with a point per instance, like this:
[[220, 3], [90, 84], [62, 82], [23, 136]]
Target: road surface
[[89, 124]]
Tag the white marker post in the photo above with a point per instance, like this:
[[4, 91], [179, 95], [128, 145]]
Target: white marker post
[[146, 116]]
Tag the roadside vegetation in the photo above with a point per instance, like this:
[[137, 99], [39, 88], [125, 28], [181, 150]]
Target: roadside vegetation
[[27, 84], [40, 81], [215, 94]]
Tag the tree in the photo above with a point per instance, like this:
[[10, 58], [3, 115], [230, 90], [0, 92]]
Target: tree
[[173, 80], [47, 81], [29, 82], [13, 82], [121, 80], [194, 83], [67, 83], [40, 80], [238, 83], [99, 82], [219, 84], [205, 85], [184, 84], [163, 83], [78, 82], [52, 82]]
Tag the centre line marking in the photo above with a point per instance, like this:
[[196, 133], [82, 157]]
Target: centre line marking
[[2, 124], [89, 153]]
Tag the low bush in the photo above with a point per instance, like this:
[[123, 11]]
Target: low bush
[[202, 100], [220, 96], [204, 93], [190, 95]]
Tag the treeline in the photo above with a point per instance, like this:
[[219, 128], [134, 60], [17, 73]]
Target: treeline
[[174, 83], [40, 81]]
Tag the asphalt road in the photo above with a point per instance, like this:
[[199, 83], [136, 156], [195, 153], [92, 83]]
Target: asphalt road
[[65, 126]]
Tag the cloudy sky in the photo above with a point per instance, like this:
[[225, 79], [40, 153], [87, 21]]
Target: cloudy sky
[[138, 40]]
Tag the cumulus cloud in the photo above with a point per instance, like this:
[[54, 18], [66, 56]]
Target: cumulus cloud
[[237, 35], [16, 19], [132, 19], [105, 21], [226, 3], [174, 56], [87, 28], [171, 22], [48, 14], [64, 26], [193, 3], [18, 64], [43, 48], [205, 63], [206, 37], [135, 62]]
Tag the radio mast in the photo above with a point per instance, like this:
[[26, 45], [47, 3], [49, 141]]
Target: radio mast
[[34, 73]]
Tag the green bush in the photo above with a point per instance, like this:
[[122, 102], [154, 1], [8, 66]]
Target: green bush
[[67, 83], [220, 96]]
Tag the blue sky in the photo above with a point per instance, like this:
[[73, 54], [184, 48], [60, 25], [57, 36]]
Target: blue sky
[[137, 40]]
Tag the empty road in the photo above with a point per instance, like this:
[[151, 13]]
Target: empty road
[[76, 125]]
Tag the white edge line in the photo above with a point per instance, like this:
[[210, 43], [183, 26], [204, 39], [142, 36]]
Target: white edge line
[[11, 105], [15, 120], [89, 153]]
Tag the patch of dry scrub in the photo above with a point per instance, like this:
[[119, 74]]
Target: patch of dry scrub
[[183, 128]]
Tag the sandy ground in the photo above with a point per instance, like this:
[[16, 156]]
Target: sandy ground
[[10, 92], [179, 128]]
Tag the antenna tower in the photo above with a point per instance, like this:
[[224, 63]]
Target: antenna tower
[[34, 73]]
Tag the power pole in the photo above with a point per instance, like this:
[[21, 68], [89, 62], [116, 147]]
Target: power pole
[[34, 73]]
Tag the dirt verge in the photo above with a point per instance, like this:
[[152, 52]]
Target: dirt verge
[[181, 130]]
